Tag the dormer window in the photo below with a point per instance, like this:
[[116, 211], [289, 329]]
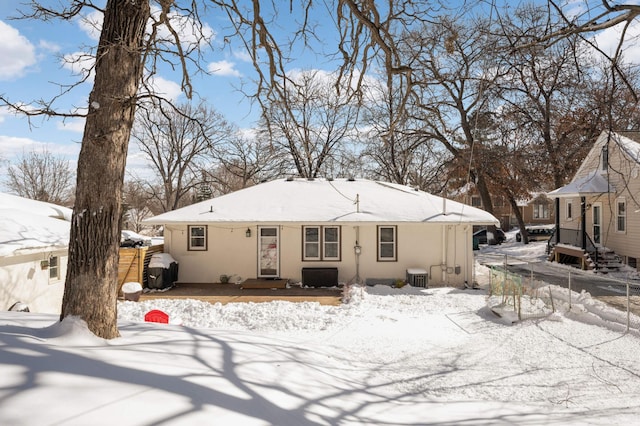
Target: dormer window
[[605, 158]]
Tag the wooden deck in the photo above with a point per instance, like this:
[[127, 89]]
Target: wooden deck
[[255, 291]]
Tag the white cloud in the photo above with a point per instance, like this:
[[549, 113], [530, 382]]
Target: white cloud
[[72, 125], [91, 24], [12, 147], [80, 63], [191, 32], [4, 111], [609, 39], [242, 55], [162, 87], [224, 68], [48, 46], [16, 51]]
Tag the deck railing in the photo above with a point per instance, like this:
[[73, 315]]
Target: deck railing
[[573, 237]]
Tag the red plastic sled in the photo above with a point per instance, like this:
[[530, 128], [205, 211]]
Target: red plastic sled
[[156, 316]]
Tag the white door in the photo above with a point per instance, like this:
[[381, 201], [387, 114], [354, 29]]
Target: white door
[[268, 252], [597, 222]]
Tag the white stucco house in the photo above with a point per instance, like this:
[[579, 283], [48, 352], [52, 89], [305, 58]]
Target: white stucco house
[[360, 230], [34, 239]]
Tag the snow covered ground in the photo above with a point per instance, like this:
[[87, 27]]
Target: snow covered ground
[[405, 356]]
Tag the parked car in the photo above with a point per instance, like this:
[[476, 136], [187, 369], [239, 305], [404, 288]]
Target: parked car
[[538, 232], [498, 237], [133, 239]]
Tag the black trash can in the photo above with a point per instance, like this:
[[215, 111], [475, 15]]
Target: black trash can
[[162, 271]]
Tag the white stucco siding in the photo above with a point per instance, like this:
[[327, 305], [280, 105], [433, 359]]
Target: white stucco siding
[[24, 280], [231, 252]]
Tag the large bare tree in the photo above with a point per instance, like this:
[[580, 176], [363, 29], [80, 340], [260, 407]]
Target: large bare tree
[[179, 142], [310, 120], [245, 160], [42, 176], [92, 273]]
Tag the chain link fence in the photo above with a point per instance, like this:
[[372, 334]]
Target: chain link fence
[[511, 295], [523, 297]]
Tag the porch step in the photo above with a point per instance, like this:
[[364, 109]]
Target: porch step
[[608, 261], [257, 283]]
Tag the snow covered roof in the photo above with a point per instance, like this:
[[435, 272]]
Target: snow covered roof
[[533, 196], [628, 142], [324, 200], [593, 183], [28, 226], [38, 207]]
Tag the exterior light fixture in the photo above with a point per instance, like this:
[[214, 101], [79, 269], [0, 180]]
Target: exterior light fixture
[[248, 233]]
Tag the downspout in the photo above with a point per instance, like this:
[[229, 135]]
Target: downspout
[[466, 256], [357, 249], [444, 242], [443, 266], [583, 220], [557, 204]]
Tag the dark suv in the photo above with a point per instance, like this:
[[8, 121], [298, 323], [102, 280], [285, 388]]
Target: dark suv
[[498, 237], [537, 233]]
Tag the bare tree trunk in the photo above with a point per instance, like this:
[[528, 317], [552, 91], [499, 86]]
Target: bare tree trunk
[[91, 282], [519, 218]]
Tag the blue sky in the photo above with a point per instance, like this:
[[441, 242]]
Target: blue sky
[[32, 68]]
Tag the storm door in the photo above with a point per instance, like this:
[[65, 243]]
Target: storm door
[[596, 210], [268, 252]]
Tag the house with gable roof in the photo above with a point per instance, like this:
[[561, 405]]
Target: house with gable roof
[[34, 240], [598, 212], [347, 230]]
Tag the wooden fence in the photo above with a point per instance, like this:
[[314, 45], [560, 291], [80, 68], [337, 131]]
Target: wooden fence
[[133, 264]]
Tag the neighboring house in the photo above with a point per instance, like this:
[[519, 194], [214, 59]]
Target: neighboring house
[[366, 231], [501, 207], [597, 212], [537, 210], [34, 238]]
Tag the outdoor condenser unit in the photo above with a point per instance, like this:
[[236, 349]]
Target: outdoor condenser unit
[[417, 277]]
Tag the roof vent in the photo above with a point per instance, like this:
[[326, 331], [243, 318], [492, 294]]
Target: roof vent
[[351, 179], [309, 178], [289, 179]]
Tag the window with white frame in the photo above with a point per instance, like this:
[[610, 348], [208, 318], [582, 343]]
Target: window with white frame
[[605, 158], [541, 211], [54, 268], [331, 243], [621, 215], [569, 209], [197, 238], [311, 243], [321, 243], [387, 243]]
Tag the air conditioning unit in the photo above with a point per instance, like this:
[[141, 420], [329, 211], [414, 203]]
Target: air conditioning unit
[[417, 277]]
